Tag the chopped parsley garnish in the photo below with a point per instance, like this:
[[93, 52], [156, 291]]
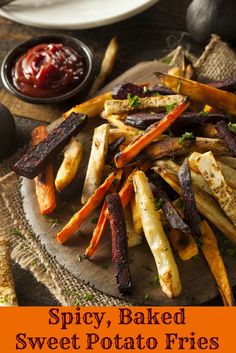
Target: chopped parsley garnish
[[203, 113], [134, 101], [232, 127], [155, 280], [145, 89], [179, 87], [199, 242], [170, 107], [158, 203], [54, 221], [167, 60], [186, 135], [94, 220]]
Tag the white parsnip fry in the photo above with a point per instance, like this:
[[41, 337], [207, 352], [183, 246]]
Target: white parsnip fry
[[133, 237], [116, 106], [106, 66], [156, 237], [224, 194], [70, 164], [94, 175], [206, 205]]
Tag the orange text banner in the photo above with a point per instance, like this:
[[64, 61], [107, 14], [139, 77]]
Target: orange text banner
[[117, 329]]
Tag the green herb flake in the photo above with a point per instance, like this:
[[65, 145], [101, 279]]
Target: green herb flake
[[89, 297], [199, 242], [167, 60], [202, 113], [145, 89], [146, 296], [54, 221], [94, 220], [170, 107], [232, 127], [16, 232], [158, 204], [134, 101], [156, 94], [185, 136], [179, 87], [155, 279]]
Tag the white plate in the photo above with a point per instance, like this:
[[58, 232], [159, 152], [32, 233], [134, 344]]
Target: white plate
[[73, 14]]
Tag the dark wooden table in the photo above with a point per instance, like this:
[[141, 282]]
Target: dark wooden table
[[147, 36]]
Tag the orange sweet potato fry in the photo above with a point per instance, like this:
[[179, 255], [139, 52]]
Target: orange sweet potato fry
[[44, 183], [155, 130], [74, 223], [215, 261], [125, 196]]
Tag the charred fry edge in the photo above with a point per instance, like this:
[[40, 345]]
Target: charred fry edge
[[79, 217], [33, 162], [190, 208], [119, 244], [44, 183], [149, 135]]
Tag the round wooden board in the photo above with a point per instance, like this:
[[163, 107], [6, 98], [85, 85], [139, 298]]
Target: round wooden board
[[198, 283]]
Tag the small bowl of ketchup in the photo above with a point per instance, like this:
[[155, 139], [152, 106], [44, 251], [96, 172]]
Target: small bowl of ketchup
[[48, 69]]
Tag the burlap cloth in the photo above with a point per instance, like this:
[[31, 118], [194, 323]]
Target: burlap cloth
[[217, 62]]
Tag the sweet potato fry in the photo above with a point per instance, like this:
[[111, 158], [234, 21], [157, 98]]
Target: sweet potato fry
[[116, 133], [223, 193], [91, 107], [33, 162], [79, 217], [155, 130], [228, 137], [184, 244], [206, 205], [171, 213], [133, 237], [170, 146], [44, 182], [119, 244], [229, 161], [96, 163], [115, 106], [215, 261], [70, 164], [200, 92], [116, 121], [204, 144], [125, 194], [136, 216], [190, 208], [106, 66], [156, 237]]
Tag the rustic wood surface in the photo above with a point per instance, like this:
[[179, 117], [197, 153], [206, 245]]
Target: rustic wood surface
[[147, 36]]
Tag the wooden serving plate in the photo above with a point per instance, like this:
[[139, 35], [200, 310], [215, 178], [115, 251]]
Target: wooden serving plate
[[198, 283]]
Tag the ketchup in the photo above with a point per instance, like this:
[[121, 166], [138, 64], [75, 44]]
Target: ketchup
[[48, 70]]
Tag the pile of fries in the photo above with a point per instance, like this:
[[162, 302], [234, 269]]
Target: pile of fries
[[177, 135]]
